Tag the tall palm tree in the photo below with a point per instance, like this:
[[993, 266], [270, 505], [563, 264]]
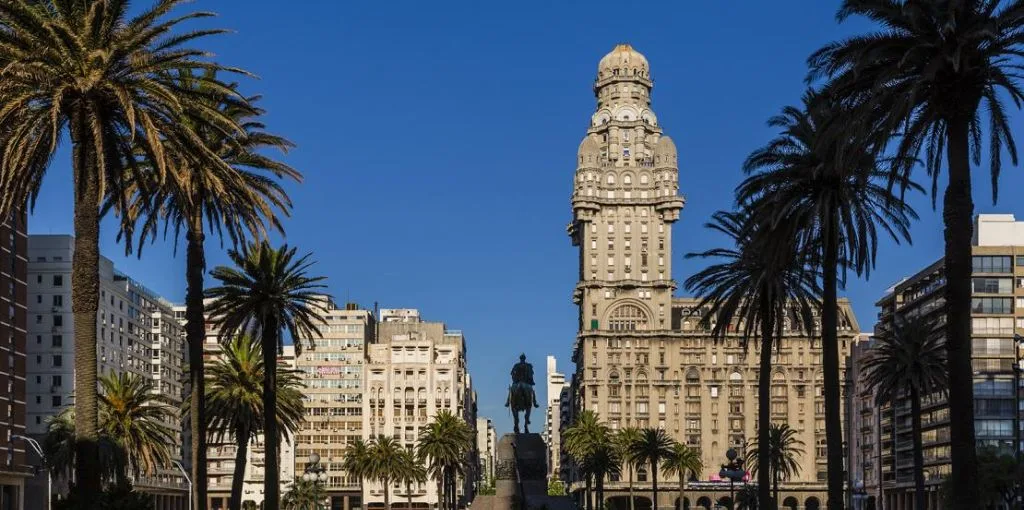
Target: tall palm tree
[[653, 447], [269, 291], [580, 440], [602, 461], [412, 472], [356, 461], [683, 460], [136, 418], [935, 67], [909, 361], [234, 403], [236, 199], [784, 447], [830, 186], [624, 440], [759, 284], [444, 444], [59, 451], [53, 81], [385, 464]]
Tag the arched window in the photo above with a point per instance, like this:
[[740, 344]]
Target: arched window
[[735, 377], [611, 178], [627, 317], [627, 179], [643, 179], [641, 474]]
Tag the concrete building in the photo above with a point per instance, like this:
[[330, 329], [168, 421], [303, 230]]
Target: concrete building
[[14, 463], [997, 313], [136, 334], [415, 369], [486, 441], [864, 445], [552, 424], [642, 357], [332, 370], [220, 454]]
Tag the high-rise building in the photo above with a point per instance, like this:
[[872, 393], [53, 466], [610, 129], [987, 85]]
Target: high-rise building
[[552, 424], [13, 299], [486, 441], [332, 371], [136, 333], [644, 358], [863, 426], [997, 313], [415, 369]]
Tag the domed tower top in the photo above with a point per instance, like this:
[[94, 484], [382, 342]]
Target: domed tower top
[[623, 64]]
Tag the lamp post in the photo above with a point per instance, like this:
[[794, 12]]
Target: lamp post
[[39, 451], [317, 474], [733, 470], [187, 479]]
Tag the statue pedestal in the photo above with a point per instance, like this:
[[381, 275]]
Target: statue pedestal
[[520, 472]]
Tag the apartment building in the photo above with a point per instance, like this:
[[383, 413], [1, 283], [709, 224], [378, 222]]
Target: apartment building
[[997, 314], [15, 460], [415, 369], [332, 370], [486, 442], [552, 430]]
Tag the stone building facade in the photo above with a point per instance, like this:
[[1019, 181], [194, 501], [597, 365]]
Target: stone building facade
[[642, 357], [415, 369]]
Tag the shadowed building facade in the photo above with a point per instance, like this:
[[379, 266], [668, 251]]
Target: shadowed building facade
[[644, 358], [13, 319]]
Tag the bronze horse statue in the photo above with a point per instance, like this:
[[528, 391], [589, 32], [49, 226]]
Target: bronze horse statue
[[521, 397]]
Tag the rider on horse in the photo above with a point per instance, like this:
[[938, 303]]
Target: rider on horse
[[520, 394]]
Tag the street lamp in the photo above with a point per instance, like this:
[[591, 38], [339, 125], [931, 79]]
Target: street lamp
[[39, 451], [733, 470], [187, 479], [315, 473]]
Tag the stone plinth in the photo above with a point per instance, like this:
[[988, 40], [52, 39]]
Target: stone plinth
[[520, 471]]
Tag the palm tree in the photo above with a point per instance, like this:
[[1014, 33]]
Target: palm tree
[[746, 498], [385, 464], [934, 67], [134, 417], [444, 444], [580, 440], [356, 461], [52, 82], [59, 450], [781, 455], [234, 402], [412, 472], [759, 284], [683, 460], [910, 362], [653, 447], [302, 495], [269, 291], [831, 187], [235, 198], [624, 440], [602, 461]]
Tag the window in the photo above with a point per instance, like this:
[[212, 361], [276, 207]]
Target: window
[[1020, 260], [627, 317], [58, 300], [58, 360], [55, 401], [39, 319], [611, 178], [39, 299], [58, 340], [58, 320], [57, 380], [991, 305], [39, 399], [992, 285], [611, 261], [991, 264], [611, 228], [58, 280], [714, 392], [641, 408], [643, 228], [661, 407], [992, 325]]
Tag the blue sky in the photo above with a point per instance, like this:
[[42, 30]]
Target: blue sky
[[438, 145]]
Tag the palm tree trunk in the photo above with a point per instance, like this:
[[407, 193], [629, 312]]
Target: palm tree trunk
[[599, 481], [408, 493], [915, 424], [764, 398], [85, 300], [195, 336], [631, 505], [957, 213], [238, 477], [590, 499], [271, 474], [682, 487], [775, 489], [387, 493], [830, 362], [654, 484], [440, 491]]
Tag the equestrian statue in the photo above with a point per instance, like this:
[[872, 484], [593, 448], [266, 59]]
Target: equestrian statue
[[521, 397]]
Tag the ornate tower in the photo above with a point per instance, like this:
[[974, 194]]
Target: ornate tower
[[625, 199]]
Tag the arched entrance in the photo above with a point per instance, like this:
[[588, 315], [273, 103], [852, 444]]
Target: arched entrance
[[686, 504], [704, 503], [622, 503], [790, 503], [812, 503]]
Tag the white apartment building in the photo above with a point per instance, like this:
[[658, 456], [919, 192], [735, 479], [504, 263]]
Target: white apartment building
[[135, 333], [414, 370], [552, 423], [486, 442]]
